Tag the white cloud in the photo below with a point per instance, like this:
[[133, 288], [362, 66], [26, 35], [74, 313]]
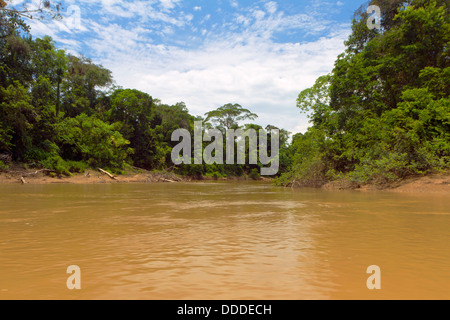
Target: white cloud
[[241, 62], [271, 7], [234, 3], [265, 77], [168, 4], [206, 18]]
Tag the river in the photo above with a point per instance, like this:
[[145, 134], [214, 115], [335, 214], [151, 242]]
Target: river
[[221, 240]]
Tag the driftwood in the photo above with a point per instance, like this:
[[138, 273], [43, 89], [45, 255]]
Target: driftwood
[[139, 169], [107, 173], [166, 180], [26, 174], [6, 158], [293, 184], [39, 171], [23, 180]]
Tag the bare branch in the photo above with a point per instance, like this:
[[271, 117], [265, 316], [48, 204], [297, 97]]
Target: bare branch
[[45, 9]]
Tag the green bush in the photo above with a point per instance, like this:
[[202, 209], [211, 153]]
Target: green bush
[[77, 166], [390, 168], [93, 141], [56, 164], [254, 174], [3, 166]]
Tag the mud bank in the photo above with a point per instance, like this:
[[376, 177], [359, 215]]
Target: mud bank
[[23, 176], [433, 183]]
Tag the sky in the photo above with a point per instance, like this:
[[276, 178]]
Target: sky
[[259, 54]]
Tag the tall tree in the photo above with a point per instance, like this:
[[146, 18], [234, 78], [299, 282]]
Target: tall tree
[[83, 84], [229, 115], [132, 111]]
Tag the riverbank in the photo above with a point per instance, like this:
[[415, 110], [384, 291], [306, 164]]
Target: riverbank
[[433, 183], [20, 175]]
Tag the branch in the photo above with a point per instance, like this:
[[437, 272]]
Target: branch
[[107, 173], [45, 7]]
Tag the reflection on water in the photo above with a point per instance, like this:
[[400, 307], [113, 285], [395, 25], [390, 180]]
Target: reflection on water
[[220, 241]]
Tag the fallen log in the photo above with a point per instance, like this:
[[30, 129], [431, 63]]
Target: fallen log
[[23, 180], [293, 184], [166, 180], [38, 171], [107, 173], [139, 169]]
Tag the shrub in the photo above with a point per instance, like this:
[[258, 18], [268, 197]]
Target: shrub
[[3, 166], [77, 166], [254, 174], [57, 164], [93, 141]]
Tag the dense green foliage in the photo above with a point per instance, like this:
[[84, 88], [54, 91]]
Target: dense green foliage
[[63, 113], [384, 112]]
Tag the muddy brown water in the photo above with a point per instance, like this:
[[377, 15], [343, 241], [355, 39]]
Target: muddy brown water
[[230, 240]]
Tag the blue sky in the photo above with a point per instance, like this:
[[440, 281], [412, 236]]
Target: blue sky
[[207, 53]]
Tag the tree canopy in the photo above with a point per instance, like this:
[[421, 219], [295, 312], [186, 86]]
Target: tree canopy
[[229, 115], [384, 111]]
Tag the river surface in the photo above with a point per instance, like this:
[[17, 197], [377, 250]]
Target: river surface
[[221, 241]]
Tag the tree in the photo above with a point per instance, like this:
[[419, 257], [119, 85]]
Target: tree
[[132, 111], [17, 120], [15, 50], [50, 63], [229, 115], [315, 101], [382, 114], [93, 141], [83, 84]]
